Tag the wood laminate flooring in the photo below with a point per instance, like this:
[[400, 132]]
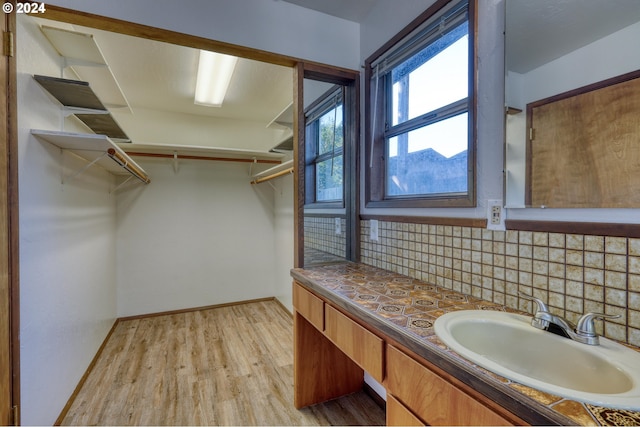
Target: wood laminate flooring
[[222, 366]]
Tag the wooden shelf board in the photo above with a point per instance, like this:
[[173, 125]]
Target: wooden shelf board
[[103, 124], [78, 94], [71, 93]]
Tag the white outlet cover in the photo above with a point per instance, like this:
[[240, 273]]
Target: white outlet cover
[[373, 231], [492, 223]]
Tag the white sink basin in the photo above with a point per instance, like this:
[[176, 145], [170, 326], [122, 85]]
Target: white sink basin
[[506, 344]]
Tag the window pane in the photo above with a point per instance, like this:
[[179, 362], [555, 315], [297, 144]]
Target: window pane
[[329, 179], [433, 78], [429, 160], [329, 133]]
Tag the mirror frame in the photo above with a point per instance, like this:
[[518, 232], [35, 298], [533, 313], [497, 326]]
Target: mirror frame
[[350, 80]]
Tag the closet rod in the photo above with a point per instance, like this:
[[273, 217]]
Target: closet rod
[[189, 157], [130, 167], [273, 176]]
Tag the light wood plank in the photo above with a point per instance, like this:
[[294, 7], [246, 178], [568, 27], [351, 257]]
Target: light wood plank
[[222, 366]]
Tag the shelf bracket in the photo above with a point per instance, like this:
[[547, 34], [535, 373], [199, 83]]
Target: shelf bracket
[[76, 174], [70, 111], [71, 62], [175, 162], [255, 161], [272, 186], [121, 184]]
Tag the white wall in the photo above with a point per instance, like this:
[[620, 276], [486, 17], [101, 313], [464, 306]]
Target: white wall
[[284, 235], [198, 237], [67, 246]]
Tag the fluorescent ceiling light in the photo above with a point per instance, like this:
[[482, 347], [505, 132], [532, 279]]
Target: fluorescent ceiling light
[[214, 74]]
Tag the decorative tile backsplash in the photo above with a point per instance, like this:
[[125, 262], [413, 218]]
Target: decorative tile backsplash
[[320, 234], [573, 273]]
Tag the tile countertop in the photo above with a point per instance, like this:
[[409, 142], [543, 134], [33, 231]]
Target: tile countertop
[[405, 309]]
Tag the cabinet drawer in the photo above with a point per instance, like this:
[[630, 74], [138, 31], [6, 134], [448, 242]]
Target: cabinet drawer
[[398, 415], [309, 306], [363, 347], [432, 398]]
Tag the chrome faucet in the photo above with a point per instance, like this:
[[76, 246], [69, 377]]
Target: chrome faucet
[[584, 332]]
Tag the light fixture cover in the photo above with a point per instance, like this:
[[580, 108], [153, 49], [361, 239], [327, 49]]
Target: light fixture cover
[[214, 75]]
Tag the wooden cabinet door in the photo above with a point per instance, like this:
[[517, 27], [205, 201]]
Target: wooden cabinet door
[[583, 147], [362, 346], [399, 415], [309, 306], [432, 398]]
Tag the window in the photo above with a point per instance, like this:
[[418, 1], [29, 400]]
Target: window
[[421, 117], [324, 152]]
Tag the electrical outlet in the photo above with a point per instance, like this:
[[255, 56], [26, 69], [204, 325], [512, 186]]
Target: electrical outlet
[[496, 212], [373, 230], [495, 215], [338, 226]]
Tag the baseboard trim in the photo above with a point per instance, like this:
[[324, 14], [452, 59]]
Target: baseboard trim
[[84, 377], [284, 307], [189, 310]]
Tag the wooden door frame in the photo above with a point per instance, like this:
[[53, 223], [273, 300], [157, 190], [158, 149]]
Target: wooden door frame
[[9, 276], [56, 13]]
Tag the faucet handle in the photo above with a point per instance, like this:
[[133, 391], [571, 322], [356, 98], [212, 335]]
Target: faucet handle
[[586, 325], [541, 316], [542, 307]]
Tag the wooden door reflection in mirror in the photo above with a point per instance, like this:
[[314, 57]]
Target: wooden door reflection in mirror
[[584, 146]]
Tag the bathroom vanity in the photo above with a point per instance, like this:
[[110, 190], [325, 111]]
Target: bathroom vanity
[[350, 318]]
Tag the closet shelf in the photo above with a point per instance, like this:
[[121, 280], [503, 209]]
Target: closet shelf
[[285, 145], [82, 54], [282, 169], [79, 99], [284, 119], [95, 149], [193, 152]]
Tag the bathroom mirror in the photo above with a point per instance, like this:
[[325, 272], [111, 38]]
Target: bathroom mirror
[[327, 172], [553, 47]]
